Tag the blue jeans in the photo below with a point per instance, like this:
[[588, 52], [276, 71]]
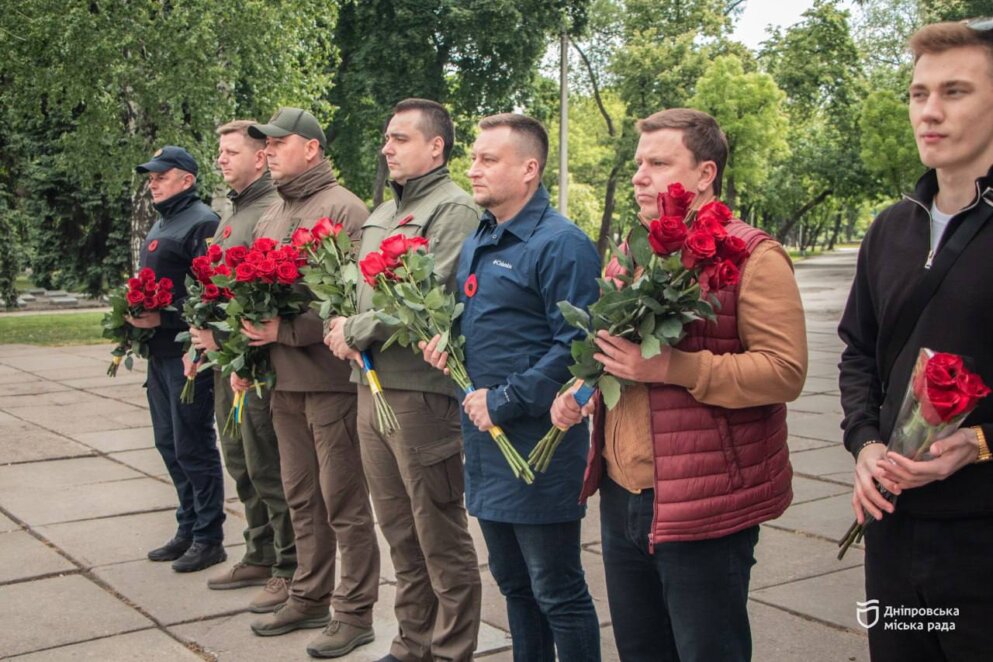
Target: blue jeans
[[184, 437], [549, 607], [687, 602]]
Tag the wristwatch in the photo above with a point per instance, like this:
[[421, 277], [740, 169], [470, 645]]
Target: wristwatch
[[984, 450]]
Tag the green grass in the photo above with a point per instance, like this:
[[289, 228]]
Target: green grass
[[42, 329]]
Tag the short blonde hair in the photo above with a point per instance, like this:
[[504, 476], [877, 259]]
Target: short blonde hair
[[241, 126], [940, 37]]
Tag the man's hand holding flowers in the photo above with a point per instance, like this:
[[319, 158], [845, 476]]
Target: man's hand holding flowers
[[147, 320], [262, 334]]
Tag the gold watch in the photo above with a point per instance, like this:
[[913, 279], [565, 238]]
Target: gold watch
[[984, 450]]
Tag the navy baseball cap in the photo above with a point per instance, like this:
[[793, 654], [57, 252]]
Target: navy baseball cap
[[167, 158]]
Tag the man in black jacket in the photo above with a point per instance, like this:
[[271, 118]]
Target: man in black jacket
[[924, 558], [184, 433]]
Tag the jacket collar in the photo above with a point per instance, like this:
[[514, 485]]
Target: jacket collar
[[177, 203], [524, 223], [306, 184], [418, 187], [927, 187], [257, 189]]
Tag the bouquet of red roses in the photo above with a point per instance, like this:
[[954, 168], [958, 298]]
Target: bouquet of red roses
[[262, 286], [142, 294], [941, 394], [202, 308], [332, 275], [409, 297], [652, 287]]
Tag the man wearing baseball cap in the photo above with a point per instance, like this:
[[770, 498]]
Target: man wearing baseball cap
[[184, 433], [314, 413]]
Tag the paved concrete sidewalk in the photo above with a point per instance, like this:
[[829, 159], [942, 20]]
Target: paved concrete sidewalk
[[84, 495]]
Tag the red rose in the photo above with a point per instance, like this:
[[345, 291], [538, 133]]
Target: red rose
[[201, 267], [150, 287], [165, 284], [393, 247], [667, 234], [715, 210], [244, 273], [287, 273], [135, 297], [417, 243], [267, 269], [235, 256], [947, 404], [264, 244], [675, 201], [134, 284], [163, 299], [302, 237], [148, 303], [710, 225], [372, 265], [210, 292], [226, 293], [700, 247], [971, 385], [325, 227], [288, 253], [942, 370], [222, 270], [733, 249], [146, 275], [254, 257], [215, 253], [720, 275]]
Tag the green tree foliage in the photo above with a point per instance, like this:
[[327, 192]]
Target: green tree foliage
[[888, 148]]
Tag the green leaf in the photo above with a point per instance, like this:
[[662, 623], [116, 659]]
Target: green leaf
[[650, 346], [575, 316], [610, 388], [641, 250], [671, 327]]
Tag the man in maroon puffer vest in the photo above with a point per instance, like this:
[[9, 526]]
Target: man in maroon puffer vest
[[694, 457]]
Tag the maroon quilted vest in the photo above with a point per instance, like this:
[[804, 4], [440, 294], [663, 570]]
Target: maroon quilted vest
[[717, 470]]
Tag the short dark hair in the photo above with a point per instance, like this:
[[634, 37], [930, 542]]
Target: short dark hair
[[241, 126], [435, 121], [701, 135], [530, 129], [940, 37]]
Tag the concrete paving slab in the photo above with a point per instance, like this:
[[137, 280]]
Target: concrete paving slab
[[134, 377], [125, 538], [7, 351], [94, 417], [151, 645], [40, 362], [810, 489], [92, 369], [22, 556], [145, 460], [7, 524], [109, 441], [802, 444], [824, 427], [175, 597], [32, 622], [780, 636], [54, 503], [830, 598], [818, 404], [783, 557], [66, 396], [23, 383], [231, 639], [822, 461], [828, 518], [26, 442], [62, 473]]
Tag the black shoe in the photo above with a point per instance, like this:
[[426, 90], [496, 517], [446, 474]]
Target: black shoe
[[200, 555], [170, 551]]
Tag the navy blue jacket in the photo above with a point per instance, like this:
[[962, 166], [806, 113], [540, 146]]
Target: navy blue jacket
[[518, 346], [180, 234]]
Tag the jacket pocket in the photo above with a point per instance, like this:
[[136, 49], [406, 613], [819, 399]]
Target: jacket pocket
[[730, 452]]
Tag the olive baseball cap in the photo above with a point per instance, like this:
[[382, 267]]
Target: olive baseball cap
[[287, 121], [167, 158]]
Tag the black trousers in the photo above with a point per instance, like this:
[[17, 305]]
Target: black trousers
[[933, 579]]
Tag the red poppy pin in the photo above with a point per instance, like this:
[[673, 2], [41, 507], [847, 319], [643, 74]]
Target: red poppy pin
[[227, 231], [470, 286], [153, 245], [406, 219]]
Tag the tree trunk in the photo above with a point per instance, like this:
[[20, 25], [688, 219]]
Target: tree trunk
[[608, 211], [834, 232], [380, 184], [142, 218], [794, 218]]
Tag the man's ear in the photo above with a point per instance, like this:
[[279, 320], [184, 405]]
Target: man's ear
[[708, 173], [313, 150], [532, 171], [260, 160]]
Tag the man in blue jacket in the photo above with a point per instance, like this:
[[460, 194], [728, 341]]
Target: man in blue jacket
[[184, 433], [523, 259]]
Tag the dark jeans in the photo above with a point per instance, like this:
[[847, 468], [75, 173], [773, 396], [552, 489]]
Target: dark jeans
[[937, 564], [184, 436], [687, 602], [549, 607]]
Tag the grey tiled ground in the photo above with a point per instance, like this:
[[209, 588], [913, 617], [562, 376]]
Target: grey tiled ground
[[83, 496]]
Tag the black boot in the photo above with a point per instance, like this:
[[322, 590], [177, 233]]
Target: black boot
[[170, 551], [200, 555]]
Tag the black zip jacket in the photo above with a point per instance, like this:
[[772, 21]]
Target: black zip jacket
[[178, 236], [893, 258]]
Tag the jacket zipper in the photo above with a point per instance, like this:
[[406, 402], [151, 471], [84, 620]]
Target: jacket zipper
[[979, 196]]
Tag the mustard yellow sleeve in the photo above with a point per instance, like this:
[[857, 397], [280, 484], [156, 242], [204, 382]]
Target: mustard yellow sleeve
[[773, 367]]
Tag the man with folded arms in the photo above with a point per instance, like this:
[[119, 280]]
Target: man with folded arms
[[313, 413], [252, 461]]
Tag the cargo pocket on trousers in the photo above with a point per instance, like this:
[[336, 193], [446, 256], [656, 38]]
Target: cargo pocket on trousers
[[442, 464]]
